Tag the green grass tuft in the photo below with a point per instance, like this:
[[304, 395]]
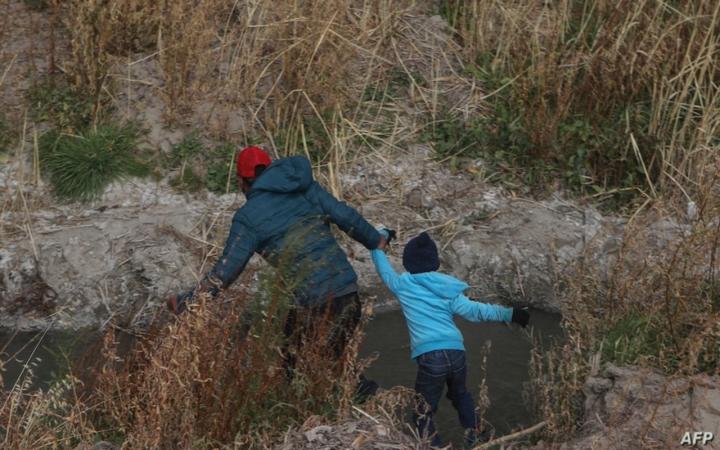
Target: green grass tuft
[[189, 148], [187, 180], [80, 167]]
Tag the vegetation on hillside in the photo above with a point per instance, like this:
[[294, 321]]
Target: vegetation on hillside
[[615, 98], [610, 100], [657, 305]]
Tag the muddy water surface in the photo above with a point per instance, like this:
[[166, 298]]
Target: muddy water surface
[[507, 365], [47, 356], [43, 357]]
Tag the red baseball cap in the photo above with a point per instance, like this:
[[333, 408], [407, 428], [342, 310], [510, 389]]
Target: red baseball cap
[[249, 158]]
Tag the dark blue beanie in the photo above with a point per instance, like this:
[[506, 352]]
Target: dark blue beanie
[[421, 255]]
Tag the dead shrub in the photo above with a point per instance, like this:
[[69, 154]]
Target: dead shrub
[[217, 376], [656, 304]]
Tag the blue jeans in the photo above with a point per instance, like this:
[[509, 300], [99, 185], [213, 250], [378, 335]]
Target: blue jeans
[[435, 369]]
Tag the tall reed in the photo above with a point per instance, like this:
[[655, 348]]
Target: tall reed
[[601, 61]]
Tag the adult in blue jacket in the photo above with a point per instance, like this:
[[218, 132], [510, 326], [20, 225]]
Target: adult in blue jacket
[[287, 219]]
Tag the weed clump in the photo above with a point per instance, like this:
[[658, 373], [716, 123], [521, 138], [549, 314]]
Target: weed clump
[[220, 176], [80, 167], [218, 377], [198, 167], [53, 100]]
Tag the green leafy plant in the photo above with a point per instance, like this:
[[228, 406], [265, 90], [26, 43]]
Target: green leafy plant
[[187, 180], [183, 157], [635, 338], [80, 167], [53, 100], [189, 148], [220, 171], [199, 167]]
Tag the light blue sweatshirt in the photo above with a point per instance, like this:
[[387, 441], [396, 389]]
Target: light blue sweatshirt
[[429, 301]]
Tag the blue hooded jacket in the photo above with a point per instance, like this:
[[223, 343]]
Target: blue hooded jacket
[[429, 301], [287, 220]]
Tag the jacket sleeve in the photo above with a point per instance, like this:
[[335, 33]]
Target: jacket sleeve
[[345, 217], [384, 269], [239, 247], [480, 312]]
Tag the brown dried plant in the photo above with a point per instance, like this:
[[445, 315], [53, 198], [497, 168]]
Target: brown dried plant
[[655, 303], [577, 58]]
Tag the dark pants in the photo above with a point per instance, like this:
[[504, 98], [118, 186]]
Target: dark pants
[[334, 322], [435, 369]]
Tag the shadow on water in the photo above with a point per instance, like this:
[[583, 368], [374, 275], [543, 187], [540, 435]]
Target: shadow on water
[[42, 357], [507, 365]]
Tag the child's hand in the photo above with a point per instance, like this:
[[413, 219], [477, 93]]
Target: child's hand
[[520, 316], [388, 235]]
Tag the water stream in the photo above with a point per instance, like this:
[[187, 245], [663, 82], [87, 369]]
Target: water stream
[[507, 365], [42, 357], [386, 334]]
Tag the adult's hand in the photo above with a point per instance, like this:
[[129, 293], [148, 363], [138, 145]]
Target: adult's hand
[[386, 236], [391, 235]]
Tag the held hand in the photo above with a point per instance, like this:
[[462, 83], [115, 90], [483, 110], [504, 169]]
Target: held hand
[[383, 243], [386, 236], [520, 316], [391, 235]]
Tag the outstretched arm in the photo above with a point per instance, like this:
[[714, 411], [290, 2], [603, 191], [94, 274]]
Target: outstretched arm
[[384, 269], [239, 247], [480, 312], [346, 218]]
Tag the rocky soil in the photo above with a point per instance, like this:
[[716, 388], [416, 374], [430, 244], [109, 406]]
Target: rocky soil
[[365, 434], [632, 407], [74, 266]]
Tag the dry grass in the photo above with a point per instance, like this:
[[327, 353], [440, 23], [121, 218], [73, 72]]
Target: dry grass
[[335, 80], [591, 60], [273, 59], [214, 378], [656, 304]]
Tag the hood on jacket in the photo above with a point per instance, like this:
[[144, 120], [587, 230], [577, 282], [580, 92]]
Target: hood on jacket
[[440, 284], [293, 174]]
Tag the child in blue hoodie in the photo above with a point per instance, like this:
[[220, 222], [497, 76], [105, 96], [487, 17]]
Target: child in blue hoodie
[[429, 300]]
